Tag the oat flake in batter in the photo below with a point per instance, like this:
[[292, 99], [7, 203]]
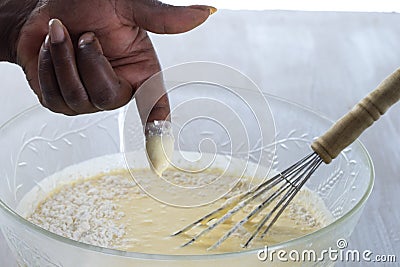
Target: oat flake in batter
[[109, 210]]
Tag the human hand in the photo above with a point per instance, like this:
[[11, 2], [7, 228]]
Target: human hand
[[100, 53]]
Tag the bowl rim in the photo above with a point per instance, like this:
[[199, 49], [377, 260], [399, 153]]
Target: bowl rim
[[152, 256]]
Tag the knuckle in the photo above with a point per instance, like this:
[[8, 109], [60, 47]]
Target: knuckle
[[111, 95], [73, 92], [45, 65], [51, 104], [50, 96], [57, 107], [76, 99], [105, 99]]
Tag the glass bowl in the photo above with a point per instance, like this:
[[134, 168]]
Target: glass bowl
[[37, 143]]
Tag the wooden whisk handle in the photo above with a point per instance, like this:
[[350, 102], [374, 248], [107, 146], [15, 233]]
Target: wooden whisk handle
[[348, 128]]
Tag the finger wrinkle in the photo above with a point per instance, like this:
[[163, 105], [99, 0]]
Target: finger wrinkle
[[64, 58], [136, 57], [105, 101]]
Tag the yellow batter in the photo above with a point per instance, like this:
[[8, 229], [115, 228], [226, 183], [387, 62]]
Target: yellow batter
[[147, 223], [159, 150]]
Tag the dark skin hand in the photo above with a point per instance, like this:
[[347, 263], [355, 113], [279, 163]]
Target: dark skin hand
[[94, 54]]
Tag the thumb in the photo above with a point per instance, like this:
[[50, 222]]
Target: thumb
[[157, 17]]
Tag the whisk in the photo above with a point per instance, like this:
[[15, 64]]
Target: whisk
[[285, 185]]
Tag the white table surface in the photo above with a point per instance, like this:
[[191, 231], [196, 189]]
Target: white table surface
[[326, 61]]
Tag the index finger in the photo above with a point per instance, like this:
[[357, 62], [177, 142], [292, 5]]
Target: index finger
[[152, 100]]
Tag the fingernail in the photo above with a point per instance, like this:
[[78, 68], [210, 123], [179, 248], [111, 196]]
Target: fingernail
[[210, 9], [46, 44], [86, 39], [56, 31]]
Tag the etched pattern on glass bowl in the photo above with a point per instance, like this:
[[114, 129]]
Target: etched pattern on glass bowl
[[38, 143]]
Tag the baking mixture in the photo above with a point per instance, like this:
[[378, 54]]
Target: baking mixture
[[108, 209]]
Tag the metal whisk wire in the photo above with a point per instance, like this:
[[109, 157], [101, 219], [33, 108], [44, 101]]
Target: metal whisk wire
[[326, 148], [291, 180]]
